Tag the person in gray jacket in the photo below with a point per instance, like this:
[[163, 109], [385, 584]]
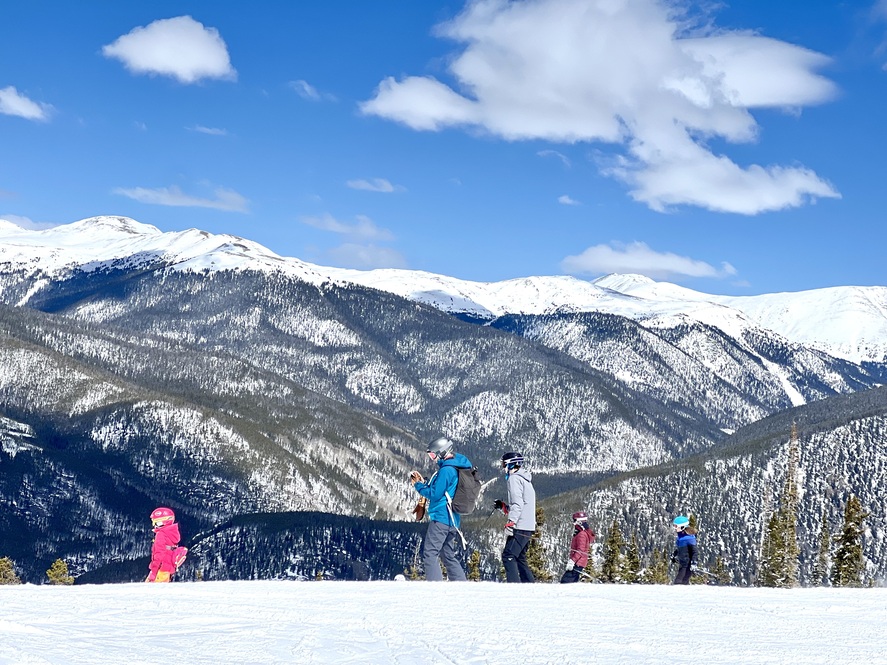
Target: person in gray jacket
[[520, 510]]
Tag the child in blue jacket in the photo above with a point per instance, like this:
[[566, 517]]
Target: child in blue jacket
[[685, 549]]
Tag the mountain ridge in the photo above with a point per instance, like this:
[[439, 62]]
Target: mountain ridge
[[848, 322]]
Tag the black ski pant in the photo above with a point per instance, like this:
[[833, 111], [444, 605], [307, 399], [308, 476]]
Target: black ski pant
[[442, 543], [514, 557], [684, 574], [573, 575]]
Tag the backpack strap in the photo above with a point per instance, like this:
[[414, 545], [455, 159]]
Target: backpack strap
[[453, 520]]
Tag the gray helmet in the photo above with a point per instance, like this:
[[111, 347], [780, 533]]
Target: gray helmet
[[441, 447]]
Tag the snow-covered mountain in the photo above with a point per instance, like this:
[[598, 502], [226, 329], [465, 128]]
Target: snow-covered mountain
[[209, 372], [846, 322]]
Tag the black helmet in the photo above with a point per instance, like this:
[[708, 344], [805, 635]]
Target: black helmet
[[512, 460], [441, 447]]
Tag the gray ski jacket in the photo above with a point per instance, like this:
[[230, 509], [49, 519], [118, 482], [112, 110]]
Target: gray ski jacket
[[521, 499]]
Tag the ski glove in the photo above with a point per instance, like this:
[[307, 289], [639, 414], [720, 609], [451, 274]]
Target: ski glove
[[570, 564], [509, 529], [501, 505]]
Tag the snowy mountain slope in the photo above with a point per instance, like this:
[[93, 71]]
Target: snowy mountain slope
[[846, 322], [119, 242], [732, 487], [327, 623], [414, 367], [96, 429]]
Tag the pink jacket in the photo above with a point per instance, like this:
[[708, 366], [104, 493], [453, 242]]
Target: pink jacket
[[166, 538], [582, 540]]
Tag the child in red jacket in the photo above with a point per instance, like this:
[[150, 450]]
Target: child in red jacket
[[166, 555], [583, 538]]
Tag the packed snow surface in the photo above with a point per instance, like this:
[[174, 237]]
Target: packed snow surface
[[405, 623]]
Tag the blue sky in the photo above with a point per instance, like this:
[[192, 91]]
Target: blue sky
[[732, 147]]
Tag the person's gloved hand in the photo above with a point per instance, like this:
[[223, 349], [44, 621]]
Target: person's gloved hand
[[509, 529], [570, 564], [416, 477], [499, 504]]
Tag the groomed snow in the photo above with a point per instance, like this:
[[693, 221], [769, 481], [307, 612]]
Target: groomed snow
[[429, 623]]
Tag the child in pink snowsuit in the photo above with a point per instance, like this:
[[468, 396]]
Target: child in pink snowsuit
[[166, 540]]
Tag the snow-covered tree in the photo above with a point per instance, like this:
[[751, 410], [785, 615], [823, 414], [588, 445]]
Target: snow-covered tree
[[632, 569], [536, 555], [848, 563], [779, 555], [821, 565], [611, 568]]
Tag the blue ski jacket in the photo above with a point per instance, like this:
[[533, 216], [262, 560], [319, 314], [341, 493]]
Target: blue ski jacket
[[443, 482], [685, 551]]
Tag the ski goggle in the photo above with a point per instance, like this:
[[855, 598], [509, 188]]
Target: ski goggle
[[161, 521], [432, 455]]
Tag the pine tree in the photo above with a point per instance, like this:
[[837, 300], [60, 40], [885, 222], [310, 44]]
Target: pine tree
[[632, 568], [58, 573], [7, 572], [780, 550], [474, 566], [611, 569], [657, 571], [848, 563], [820, 566], [536, 558], [720, 572]]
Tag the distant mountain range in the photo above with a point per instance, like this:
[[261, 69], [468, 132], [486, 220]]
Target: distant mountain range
[[205, 371], [848, 322]]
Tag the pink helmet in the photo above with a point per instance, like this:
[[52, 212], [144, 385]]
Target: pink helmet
[[580, 516], [162, 516]]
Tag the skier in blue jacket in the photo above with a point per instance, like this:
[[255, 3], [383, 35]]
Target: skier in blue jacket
[[443, 533], [685, 549]]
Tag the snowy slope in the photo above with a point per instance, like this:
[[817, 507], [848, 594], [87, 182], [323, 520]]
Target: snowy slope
[[846, 322], [120, 242], [420, 623]]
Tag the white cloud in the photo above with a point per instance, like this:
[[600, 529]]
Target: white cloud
[[12, 102], [623, 72], [179, 47], [309, 92], [554, 153], [364, 229], [225, 199], [375, 185], [366, 257], [26, 222], [638, 258], [567, 201], [212, 131]]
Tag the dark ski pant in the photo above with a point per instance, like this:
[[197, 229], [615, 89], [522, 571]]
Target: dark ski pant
[[573, 575], [514, 557], [442, 542], [683, 576]]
